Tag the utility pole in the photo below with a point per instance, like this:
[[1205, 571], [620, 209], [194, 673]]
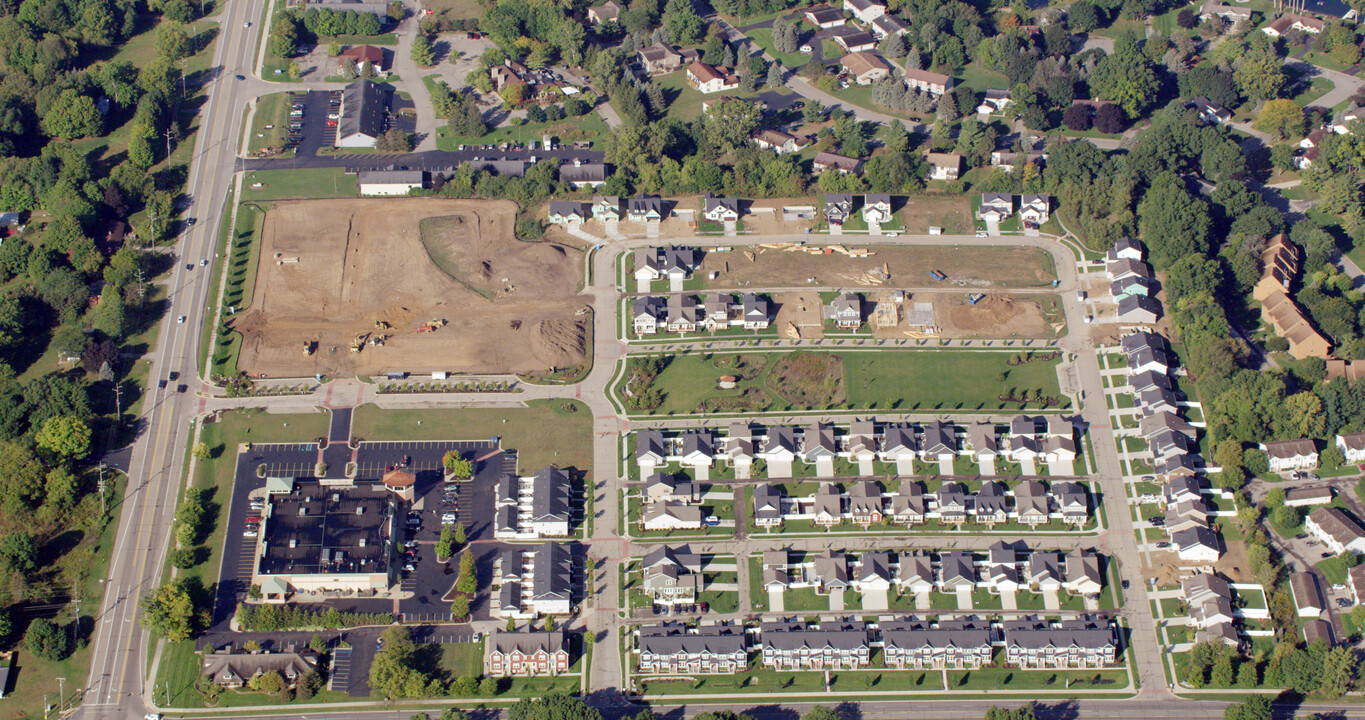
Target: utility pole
[[168, 136], [61, 687], [102, 486]]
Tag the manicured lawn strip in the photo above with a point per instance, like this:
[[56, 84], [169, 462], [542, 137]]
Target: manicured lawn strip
[[805, 600], [1334, 570], [206, 328], [635, 513], [462, 658], [1013, 679], [304, 183], [764, 38], [179, 668], [544, 433], [758, 596], [244, 259], [273, 111], [941, 380], [590, 127]]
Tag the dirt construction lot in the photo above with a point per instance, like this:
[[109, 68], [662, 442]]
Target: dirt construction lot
[[907, 267], [334, 271]]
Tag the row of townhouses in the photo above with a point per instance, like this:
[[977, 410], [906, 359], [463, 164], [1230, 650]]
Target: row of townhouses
[[1189, 519], [866, 503], [908, 643], [683, 314], [1005, 567], [529, 508], [1132, 284], [607, 208], [526, 653], [1025, 440], [997, 207], [875, 211]]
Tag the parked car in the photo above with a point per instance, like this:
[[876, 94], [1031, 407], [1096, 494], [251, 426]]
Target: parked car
[[253, 518], [711, 521], [250, 533], [1326, 555]]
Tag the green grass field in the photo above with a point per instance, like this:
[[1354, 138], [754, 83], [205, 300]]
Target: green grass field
[[461, 659], [590, 127], [269, 124], [940, 380], [241, 283], [293, 184], [764, 38], [544, 433]]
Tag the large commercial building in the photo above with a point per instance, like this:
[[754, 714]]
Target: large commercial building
[[333, 537]]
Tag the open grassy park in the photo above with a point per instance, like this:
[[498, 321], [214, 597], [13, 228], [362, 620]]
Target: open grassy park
[[887, 380]]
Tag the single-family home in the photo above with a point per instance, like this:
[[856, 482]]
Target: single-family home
[[1125, 268], [566, 213], [876, 208], [993, 101], [992, 505], [943, 166], [956, 570], [767, 506], [606, 207], [856, 41], [1138, 310], [645, 208], [887, 25], [1126, 248], [663, 487], [648, 313], [847, 310], [1231, 13], [1196, 544], [865, 10], [865, 67], [1290, 21], [908, 505], [1290, 455], [951, 501], [607, 12], [865, 503], [817, 443], [672, 575], [1034, 209], [838, 206], [827, 505], [755, 311], [659, 58], [1210, 111], [1072, 501], [833, 161], [720, 209], [995, 207], [899, 444], [778, 141], [824, 17], [1031, 503]]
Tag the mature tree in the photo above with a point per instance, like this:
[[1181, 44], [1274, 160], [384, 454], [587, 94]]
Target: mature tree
[[64, 438], [553, 706], [46, 640], [1127, 79], [1109, 119], [821, 712], [423, 53], [1282, 117], [18, 552], [21, 478], [1256, 707], [1259, 74], [73, 116], [459, 607], [681, 21], [1078, 117], [1172, 222], [170, 611], [172, 41], [395, 140], [393, 672], [1083, 16], [284, 37], [727, 125]]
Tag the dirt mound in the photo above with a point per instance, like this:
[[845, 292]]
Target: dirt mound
[[559, 343], [985, 315]]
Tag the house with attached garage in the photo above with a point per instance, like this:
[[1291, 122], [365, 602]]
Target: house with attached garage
[[1132, 286], [778, 141], [1210, 111], [672, 575], [720, 209], [779, 446], [827, 505], [956, 570], [876, 208], [856, 41], [1124, 268], [1024, 444], [817, 443], [1083, 573], [1045, 571], [991, 506], [645, 208], [1031, 503], [1150, 358], [994, 101], [607, 12], [983, 443], [940, 442], [647, 313], [659, 59], [682, 313], [1126, 249], [739, 449], [1151, 425], [832, 161], [838, 206], [847, 310], [1290, 21], [696, 448], [1231, 13], [673, 264], [865, 67], [716, 307], [861, 443], [767, 506], [865, 503], [1072, 501], [1034, 209], [1156, 400], [915, 572], [662, 487], [1308, 599], [1290, 455], [606, 207], [650, 450], [565, 213], [943, 166], [995, 207], [908, 505], [1352, 446], [951, 503], [1138, 310], [899, 444], [1197, 544], [755, 311], [873, 572]]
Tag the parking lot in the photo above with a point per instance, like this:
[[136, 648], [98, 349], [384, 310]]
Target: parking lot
[[310, 127]]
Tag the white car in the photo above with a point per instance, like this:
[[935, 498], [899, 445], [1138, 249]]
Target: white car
[[180, 319], [250, 534], [246, 24]]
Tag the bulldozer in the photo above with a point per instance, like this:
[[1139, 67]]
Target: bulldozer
[[381, 325], [358, 343], [308, 347]]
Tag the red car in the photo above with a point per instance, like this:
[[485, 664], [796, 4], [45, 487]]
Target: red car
[[253, 518], [331, 123]]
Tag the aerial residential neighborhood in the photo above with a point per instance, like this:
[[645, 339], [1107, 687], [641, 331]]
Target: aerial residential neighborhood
[[694, 359]]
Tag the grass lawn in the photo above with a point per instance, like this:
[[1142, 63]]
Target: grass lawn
[[946, 379], [805, 600], [764, 38], [1315, 89], [980, 79], [1334, 570], [241, 283], [290, 184], [590, 127], [462, 658], [206, 328], [269, 124], [684, 103], [547, 432], [1014, 679], [758, 596]]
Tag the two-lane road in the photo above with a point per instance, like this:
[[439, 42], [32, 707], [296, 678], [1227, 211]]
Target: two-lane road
[[115, 685]]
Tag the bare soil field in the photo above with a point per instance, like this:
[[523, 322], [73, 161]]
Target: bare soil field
[[974, 268], [336, 271], [952, 213]]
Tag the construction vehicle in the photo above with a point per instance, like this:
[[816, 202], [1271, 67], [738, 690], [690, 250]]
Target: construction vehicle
[[382, 325], [431, 325], [975, 298], [937, 275], [358, 343], [308, 347]]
